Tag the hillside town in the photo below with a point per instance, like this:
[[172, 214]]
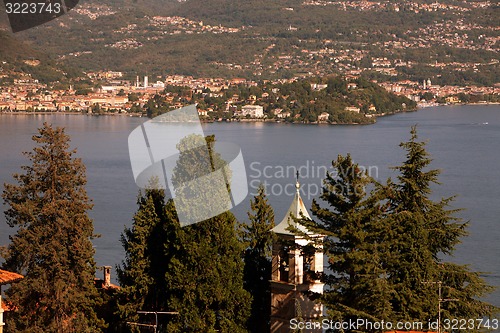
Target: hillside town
[[443, 37]]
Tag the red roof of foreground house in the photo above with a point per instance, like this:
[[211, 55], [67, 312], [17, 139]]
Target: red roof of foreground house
[[6, 278], [6, 306], [9, 277]]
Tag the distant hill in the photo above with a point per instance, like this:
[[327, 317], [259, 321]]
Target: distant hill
[[21, 60], [11, 48], [266, 39]]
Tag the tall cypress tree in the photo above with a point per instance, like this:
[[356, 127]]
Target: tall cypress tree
[[258, 238], [196, 270], [149, 244], [206, 279], [206, 274], [422, 232], [52, 247]]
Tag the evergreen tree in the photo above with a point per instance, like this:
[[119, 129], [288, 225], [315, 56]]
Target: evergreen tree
[[206, 279], [52, 247], [196, 270], [149, 244], [206, 274], [422, 232], [387, 246], [353, 227], [258, 238]]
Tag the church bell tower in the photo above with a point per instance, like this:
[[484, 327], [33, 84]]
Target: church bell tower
[[294, 271]]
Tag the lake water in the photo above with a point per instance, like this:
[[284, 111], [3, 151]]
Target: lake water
[[464, 142]]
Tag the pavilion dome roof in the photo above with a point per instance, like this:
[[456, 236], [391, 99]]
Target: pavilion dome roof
[[298, 210]]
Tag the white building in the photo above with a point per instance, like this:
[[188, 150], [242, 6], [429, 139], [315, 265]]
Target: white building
[[352, 109], [254, 111], [318, 86], [159, 84], [323, 116]]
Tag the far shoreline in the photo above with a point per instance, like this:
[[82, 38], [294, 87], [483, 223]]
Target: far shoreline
[[244, 120]]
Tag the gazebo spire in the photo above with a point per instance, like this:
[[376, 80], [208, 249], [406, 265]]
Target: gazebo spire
[[297, 209], [297, 183]]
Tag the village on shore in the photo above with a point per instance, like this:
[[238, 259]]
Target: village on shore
[[115, 95]]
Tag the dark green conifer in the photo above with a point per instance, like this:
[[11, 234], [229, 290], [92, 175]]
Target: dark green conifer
[[258, 239], [206, 279], [357, 285], [149, 244], [52, 247], [196, 270], [206, 274], [422, 232], [387, 246]]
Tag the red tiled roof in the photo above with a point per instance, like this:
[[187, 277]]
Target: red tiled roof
[[6, 306], [8, 277]]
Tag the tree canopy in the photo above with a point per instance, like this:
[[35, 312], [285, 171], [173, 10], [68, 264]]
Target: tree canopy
[[52, 247], [195, 270], [388, 245], [258, 239]]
